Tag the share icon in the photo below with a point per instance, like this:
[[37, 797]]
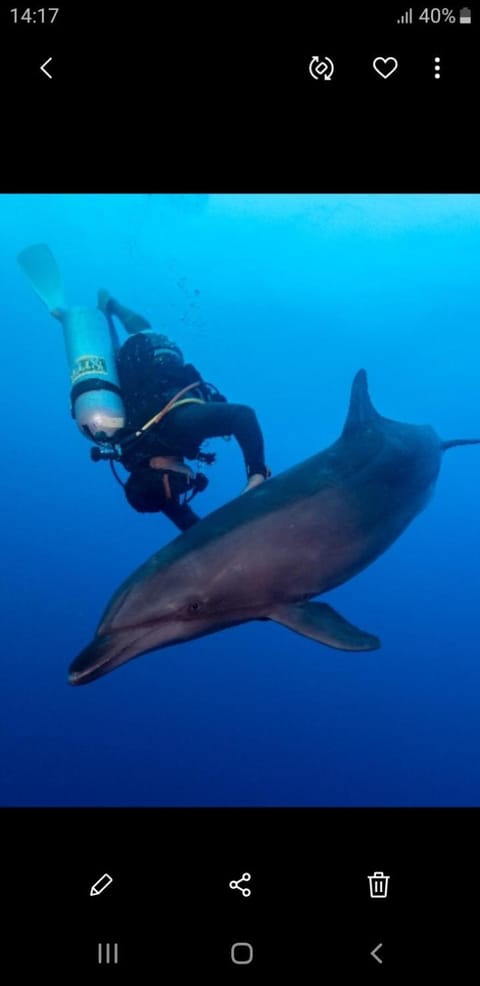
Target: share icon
[[235, 885]]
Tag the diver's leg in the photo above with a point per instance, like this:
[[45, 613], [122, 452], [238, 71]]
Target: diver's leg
[[180, 514], [130, 320], [185, 428]]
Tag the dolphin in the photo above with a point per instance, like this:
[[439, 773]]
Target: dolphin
[[267, 553]]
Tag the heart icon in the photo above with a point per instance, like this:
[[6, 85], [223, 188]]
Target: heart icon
[[385, 66]]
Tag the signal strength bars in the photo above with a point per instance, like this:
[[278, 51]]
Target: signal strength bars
[[407, 17]]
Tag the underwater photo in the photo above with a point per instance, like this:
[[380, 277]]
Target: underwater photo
[[241, 461]]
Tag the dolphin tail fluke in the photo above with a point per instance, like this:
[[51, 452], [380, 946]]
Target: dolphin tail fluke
[[322, 623], [361, 410], [460, 441]]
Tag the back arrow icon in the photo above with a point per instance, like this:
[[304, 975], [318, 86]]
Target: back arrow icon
[[44, 70], [374, 955]]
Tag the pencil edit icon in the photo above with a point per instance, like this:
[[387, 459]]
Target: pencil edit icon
[[102, 883]]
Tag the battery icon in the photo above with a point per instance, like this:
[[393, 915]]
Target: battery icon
[[465, 15]]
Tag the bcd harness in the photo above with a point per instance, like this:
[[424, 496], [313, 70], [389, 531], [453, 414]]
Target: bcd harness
[[166, 464]]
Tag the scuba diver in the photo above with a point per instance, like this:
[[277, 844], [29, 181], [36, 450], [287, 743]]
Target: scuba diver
[[170, 411], [139, 402]]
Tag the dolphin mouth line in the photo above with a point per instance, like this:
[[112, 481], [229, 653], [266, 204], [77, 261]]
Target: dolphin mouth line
[[195, 617], [103, 666]]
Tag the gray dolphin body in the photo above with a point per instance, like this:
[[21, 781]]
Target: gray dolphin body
[[264, 555]]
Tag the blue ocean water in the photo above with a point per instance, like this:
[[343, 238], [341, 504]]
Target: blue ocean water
[[278, 300]]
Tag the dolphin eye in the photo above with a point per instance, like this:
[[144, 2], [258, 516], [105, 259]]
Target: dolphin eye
[[194, 607]]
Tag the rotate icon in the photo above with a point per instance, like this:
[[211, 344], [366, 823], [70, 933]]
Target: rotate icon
[[321, 68]]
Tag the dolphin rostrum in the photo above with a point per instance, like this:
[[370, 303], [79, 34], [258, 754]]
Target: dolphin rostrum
[[267, 553]]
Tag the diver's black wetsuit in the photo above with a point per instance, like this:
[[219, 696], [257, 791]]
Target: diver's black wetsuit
[[186, 427], [144, 491], [147, 386], [180, 514]]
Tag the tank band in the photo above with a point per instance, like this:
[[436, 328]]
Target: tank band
[[93, 384]]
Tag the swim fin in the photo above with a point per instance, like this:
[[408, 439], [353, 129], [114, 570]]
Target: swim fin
[[40, 266]]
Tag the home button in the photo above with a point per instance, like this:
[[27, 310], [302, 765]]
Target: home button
[[241, 953]]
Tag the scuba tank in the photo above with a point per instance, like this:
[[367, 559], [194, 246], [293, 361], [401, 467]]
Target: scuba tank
[[96, 401]]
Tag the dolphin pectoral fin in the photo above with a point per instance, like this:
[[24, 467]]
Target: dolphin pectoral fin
[[321, 622]]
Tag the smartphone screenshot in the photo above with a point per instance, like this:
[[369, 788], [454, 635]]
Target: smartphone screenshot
[[240, 468]]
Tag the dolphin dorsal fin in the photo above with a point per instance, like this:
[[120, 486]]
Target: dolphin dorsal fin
[[361, 410]]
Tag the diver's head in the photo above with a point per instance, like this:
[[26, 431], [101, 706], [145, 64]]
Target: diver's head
[[150, 348], [165, 352]]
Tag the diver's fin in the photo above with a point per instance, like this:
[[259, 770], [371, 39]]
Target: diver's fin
[[40, 266], [321, 622]]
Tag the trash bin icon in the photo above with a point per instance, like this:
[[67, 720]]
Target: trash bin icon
[[378, 884]]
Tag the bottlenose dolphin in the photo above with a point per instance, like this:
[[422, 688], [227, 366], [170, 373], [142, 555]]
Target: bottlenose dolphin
[[264, 555]]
